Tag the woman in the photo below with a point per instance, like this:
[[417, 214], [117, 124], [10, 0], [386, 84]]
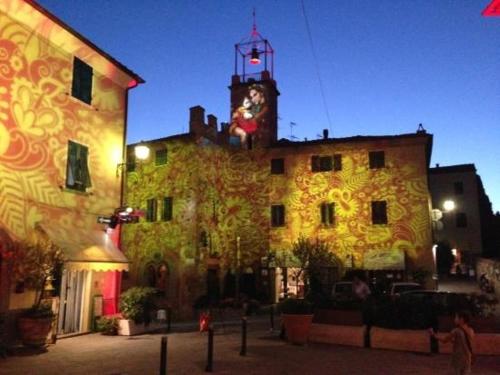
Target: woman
[[462, 338]]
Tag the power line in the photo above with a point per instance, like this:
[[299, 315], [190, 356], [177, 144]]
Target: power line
[[308, 28]]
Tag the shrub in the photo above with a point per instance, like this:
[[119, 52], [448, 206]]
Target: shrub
[[294, 306], [107, 325], [137, 304]]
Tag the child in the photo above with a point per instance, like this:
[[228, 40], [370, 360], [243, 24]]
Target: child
[[462, 338]]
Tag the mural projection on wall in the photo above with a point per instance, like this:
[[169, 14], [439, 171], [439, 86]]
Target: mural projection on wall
[[249, 118]]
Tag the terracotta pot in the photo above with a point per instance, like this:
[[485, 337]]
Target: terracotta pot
[[34, 331], [297, 327]]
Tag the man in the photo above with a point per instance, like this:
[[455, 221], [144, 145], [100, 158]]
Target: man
[[360, 288]]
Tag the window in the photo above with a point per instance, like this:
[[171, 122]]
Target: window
[[161, 157], [151, 210], [278, 215], [377, 159], [77, 169], [337, 162], [458, 187], [327, 213], [277, 166], [379, 212], [321, 163], [82, 81], [167, 209], [131, 162], [461, 220]]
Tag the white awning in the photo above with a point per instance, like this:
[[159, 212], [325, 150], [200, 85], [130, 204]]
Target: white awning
[[384, 260], [87, 249]]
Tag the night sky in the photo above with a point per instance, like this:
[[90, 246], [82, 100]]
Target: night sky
[[386, 66]]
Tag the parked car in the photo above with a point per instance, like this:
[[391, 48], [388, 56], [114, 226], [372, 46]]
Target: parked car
[[342, 289], [395, 289]]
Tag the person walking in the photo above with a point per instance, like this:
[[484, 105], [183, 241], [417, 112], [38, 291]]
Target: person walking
[[462, 338]]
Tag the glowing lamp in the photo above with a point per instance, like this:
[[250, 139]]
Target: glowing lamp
[[254, 57], [141, 151], [449, 205]]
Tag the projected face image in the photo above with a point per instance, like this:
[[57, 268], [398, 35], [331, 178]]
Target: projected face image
[[249, 116]]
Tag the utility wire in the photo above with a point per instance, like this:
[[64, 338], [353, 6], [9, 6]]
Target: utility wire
[[308, 28]]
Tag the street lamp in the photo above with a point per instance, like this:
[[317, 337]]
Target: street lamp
[[141, 153], [448, 205]]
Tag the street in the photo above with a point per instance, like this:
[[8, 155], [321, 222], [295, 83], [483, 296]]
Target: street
[[187, 353]]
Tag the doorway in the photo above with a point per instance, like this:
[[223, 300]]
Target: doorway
[[72, 306]]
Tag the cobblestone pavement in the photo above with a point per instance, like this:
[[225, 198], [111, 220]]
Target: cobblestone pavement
[[114, 355]]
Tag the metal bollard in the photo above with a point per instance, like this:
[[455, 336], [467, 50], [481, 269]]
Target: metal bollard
[[271, 317], [210, 356], [163, 355], [243, 350]]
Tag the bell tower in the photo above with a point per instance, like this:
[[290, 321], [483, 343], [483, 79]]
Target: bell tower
[[254, 95]]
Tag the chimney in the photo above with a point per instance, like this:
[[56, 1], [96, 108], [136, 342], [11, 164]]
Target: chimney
[[437, 165], [196, 118], [212, 121], [325, 133]]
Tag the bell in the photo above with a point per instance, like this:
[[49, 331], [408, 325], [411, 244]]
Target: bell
[[254, 57]]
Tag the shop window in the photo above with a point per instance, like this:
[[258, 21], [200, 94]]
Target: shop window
[[81, 87], [77, 169], [327, 211], [458, 187], [278, 215], [321, 163], [161, 157], [167, 209], [379, 212], [151, 210], [277, 166], [377, 159], [461, 220], [337, 162]]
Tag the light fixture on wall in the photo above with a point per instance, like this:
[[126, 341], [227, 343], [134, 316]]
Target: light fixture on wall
[[448, 205], [141, 153]]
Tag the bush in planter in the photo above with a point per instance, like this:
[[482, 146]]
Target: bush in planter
[[107, 326], [137, 304], [33, 263], [293, 306], [297, 318]]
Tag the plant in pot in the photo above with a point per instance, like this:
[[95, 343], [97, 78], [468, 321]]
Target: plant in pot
[[33, 263], [297, 316], [107, 325], [136, 305]]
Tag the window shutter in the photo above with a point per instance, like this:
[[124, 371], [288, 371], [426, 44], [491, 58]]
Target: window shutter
[[331, 213], [84, 161], [71, 165]]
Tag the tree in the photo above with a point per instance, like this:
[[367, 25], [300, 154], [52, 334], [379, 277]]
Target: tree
[[33, 262], [310, 257]]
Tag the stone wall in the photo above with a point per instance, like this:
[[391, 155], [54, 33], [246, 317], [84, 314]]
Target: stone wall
[[491, 268]]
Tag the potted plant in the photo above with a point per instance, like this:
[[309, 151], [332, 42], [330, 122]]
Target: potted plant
[[136, 306], [107, 325], [33, 263], [297, 316]]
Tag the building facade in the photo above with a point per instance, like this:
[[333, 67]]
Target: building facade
[[220, 206], [63, 114], [465, 232]]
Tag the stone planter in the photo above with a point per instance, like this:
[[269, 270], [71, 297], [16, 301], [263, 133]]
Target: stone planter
[[402, 339], [128, 327], [297, 327], [34, 331], [338, 334]]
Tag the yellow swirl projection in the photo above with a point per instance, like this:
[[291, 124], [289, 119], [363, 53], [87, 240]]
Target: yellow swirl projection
[[227, 193], [38, 116]]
